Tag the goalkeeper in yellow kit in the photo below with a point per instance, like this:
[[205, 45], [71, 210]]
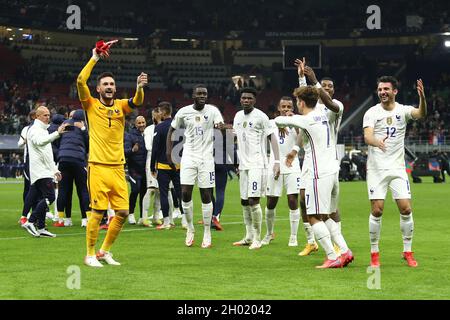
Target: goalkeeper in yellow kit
[[106, 176]]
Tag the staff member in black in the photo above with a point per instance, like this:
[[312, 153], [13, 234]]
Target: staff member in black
[[72, 156], [160, 166], [136, 155]]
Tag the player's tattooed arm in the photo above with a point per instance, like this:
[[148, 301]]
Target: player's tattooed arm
[[421, 112]]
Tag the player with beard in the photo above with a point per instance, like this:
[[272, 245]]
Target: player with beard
[[106, 175]]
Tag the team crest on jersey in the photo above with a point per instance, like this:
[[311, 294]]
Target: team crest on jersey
[[244, 124], [398, 117], [197, 119], [206, 117], [116, 111], [250, 124], [389, 120]]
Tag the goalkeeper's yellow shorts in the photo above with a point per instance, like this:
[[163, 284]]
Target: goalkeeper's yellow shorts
[[107, 183]]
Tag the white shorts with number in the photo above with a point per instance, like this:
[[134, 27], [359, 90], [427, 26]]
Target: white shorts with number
[[318, 194], [290, 181], [151, 182], [203, 175], [252, 183], [378, 182]]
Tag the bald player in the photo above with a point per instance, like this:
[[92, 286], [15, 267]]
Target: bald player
[[106, 174]]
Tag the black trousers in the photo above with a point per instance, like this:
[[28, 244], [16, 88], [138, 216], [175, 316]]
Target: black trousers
[[27, 204], [221, 175], [72, 172], [138, 182], [164, 177], [44, 190]]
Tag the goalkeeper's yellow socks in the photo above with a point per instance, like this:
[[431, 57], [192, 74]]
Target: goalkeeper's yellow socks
[[92, 229], [114, 228]]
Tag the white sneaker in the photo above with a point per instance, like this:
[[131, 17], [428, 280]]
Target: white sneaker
[[49, 215], [206, 243], [184, 223], [31, 229], [68, 222], [189, 238], [243, 242], [46, 233], [131, 219], [92, 261], [107, 257], [84, 223], [293, 241], [267, 239], [176, 213], [255, 245]]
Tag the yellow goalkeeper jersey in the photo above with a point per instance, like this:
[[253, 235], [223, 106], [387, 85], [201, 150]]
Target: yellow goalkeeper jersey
[[106, 123]]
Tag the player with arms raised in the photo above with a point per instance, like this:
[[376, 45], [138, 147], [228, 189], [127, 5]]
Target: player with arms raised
[[384, 131], [106, 175]]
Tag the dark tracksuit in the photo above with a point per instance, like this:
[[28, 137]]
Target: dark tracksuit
[[223, 165], [136, 167], [72, 155], [159, 164]]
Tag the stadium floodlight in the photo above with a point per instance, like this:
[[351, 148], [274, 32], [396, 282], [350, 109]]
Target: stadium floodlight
[[130, 39], [447, 43], [20, 29], [8, 29], [177, 39]]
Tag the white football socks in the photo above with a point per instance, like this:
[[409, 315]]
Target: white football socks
[[294, 217], [323, 236], [247, 213], [374, 232], [207, 209], [256, 213], [146, 202], [407, 228], [309, 232], [336, 236], [188, 208], [270, 219]]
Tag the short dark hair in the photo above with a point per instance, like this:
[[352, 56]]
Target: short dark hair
[[165, 107], [327, 79], [104, 75], [287, 98], [249, 90], [309, 94], [200, 85], [392, 80]]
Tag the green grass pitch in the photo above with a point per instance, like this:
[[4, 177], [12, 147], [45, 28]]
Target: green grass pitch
[[157, 265]]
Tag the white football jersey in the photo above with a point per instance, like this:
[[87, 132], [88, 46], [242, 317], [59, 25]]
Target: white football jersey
[[318, 146], [199, 132], [148, 139], [252, 130], [285, 145], [334, 119], [389, 125]]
